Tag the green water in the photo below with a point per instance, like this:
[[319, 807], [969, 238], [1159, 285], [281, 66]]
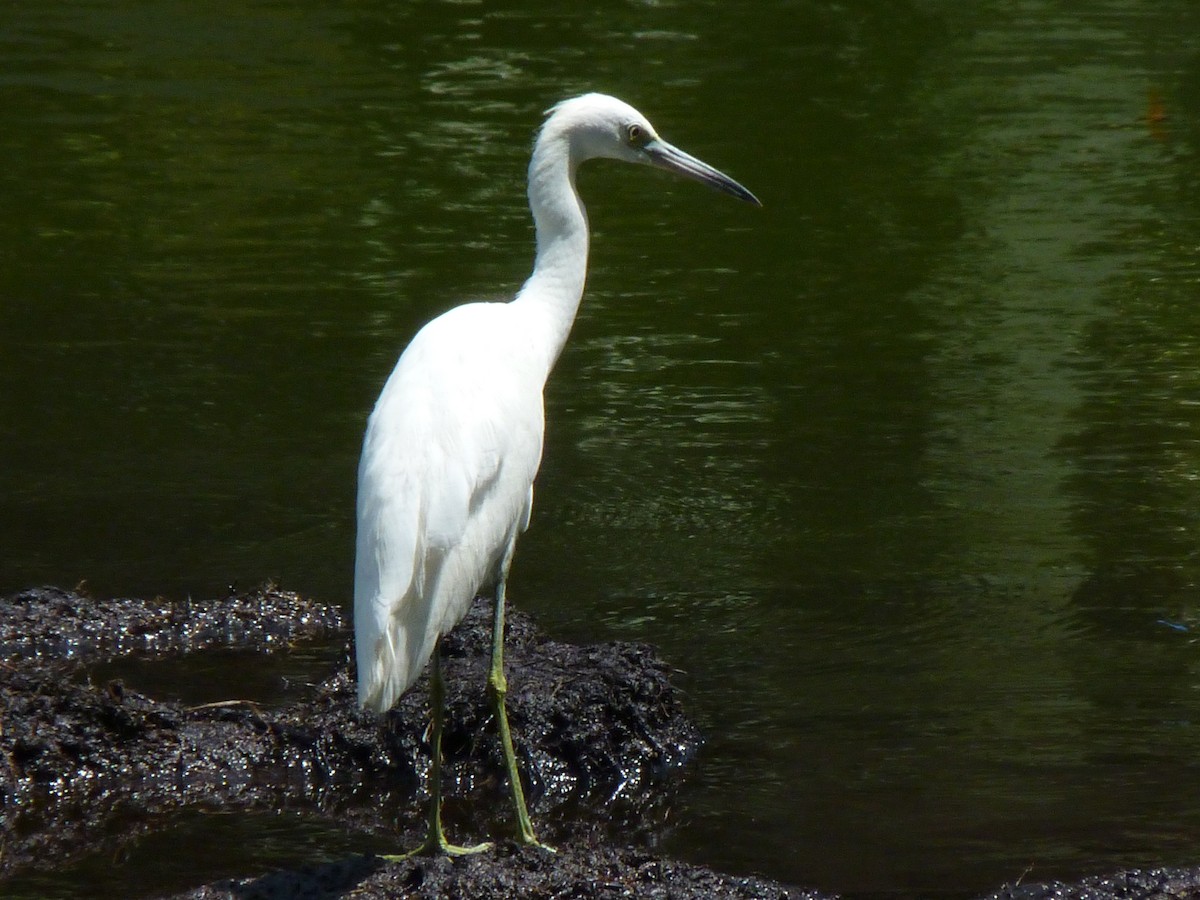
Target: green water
[[900, 471]]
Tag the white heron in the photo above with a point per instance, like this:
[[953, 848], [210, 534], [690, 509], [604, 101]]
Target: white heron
[[445, 483]]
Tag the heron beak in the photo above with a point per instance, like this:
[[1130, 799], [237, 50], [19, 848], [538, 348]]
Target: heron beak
[[666, 156]]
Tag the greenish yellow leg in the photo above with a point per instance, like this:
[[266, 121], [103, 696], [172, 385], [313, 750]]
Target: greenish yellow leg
[[498, 687], [435, 838]]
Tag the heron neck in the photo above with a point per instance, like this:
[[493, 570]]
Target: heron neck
[[552, 294]]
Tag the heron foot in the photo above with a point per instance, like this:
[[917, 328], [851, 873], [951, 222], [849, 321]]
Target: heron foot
[[531, 841], [439, 846], [525, 835]]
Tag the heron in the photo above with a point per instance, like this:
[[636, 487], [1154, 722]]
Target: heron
[[452, 447]]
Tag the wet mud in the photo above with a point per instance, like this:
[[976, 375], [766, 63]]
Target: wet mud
[[607, 873], [582, 870], [87, 764]]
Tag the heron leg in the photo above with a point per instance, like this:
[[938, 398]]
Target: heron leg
[[435, 838], [498, 688]]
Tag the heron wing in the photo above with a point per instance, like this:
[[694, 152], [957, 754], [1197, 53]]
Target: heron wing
[[445, 484]]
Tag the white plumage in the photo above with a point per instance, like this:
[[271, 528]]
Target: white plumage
[[445, 486], [445, 483]]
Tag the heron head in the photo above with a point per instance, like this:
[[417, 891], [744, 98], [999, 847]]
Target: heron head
[[600, 126]]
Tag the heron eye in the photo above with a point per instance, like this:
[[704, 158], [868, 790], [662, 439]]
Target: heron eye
[[635, 134]]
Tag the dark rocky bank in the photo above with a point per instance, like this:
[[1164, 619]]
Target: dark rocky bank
[[87, 764]]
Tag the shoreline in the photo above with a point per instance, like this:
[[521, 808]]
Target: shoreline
[[599, 726]]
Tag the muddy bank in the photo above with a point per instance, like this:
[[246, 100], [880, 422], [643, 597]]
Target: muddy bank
[[587, 869], [54, 625], [88, 765], [604, 873], [581, 871], [1133, 884], [85, 765]]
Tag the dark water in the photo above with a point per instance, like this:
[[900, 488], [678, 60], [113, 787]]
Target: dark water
[[902, 471]]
